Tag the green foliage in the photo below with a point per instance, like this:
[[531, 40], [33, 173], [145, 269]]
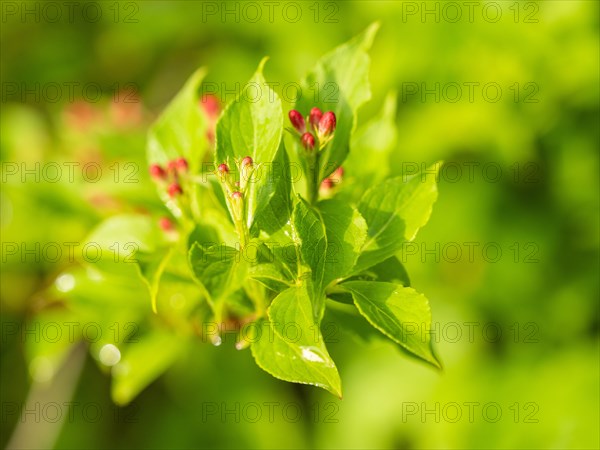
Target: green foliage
[[257, 252]]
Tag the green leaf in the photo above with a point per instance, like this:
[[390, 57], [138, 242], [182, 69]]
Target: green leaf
[[391, 270], [218, 268], [292, 347], [401, 313], [115, 232], [266, 267], [346, 232], [350, 322], [181, 128], [251, 126], [269, 275], [377, 139], [309, 233], [270, 270], [141, 363], [394, 211], [203, 234], [152, 267], [341, 78], [128, 246], [274, 198]]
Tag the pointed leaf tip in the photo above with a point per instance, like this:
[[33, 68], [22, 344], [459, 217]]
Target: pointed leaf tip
[[370, 33], [261, 64]]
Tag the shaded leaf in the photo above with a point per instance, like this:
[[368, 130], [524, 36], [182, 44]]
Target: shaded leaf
[[218, 268], [394, 211], [309, 234], [346, 232], [401, 313]]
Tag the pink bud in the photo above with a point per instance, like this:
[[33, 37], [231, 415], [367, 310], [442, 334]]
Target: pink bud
[[157, 172], [223, 169], [210, 136], [327, 124], [297, 121], [237, 195], [247, 161], [308, 141], [327, 184], [210, 105], [315, 117], [174, 189], [181, 164], [337, 174], [172, 168], [165, 224]]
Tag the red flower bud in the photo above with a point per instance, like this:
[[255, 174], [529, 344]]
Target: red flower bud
[[327, 124], [181, 164], [297, 121], [308, 141], [223, 169], [327, 184], [337, 174], [174, 189], [210, 106], [315, 117], [172, 168], [237, 195], [247, 161], [157, 172], [165, 224]]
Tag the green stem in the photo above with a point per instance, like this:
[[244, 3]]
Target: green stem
[[242, 231], [312, 178]]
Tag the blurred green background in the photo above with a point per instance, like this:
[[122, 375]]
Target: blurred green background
[[517, 331]]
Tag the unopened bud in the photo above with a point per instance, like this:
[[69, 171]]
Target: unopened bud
[[308, 141], [210, 106], [174, 189], [223, 169], [237, 201], [327, 184], [315, 117], [157, 172], [337, 174], [165, 224], [172, 168], [327, 124], [246, 170], [181, 164], [297, 121]]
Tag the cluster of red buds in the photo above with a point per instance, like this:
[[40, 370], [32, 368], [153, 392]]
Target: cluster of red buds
[[169, 176], [316, 128], [235, 188]]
